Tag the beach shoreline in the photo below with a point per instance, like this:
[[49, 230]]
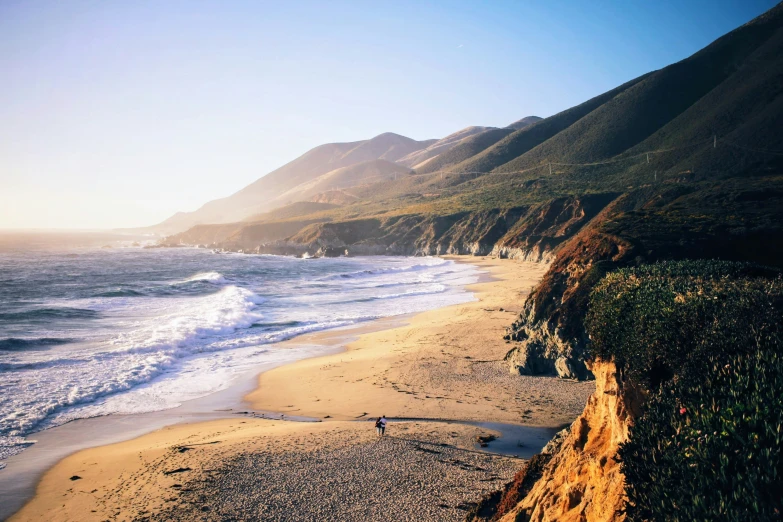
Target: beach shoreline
[[48, 447], [437, 365], [395, 364]]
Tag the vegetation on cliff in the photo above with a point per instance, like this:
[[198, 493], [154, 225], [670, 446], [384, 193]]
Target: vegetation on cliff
[[704, 340]]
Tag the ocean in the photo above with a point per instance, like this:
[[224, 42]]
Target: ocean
[[88, 330]]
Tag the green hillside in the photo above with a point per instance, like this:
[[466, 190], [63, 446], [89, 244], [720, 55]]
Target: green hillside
[[465, 150], [523, 140], [625, 121], [364, 173], [419, 157], [527, 121], [298, 209], [703, 339], [262, 195]]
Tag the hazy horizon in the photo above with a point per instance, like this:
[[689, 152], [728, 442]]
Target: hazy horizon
[[118, 115]]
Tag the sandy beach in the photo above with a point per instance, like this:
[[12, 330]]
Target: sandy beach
[[445, 364], [439, 375]]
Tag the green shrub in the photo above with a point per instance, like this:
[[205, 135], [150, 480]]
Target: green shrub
[[711, 452], [664, 321], [704, 339]]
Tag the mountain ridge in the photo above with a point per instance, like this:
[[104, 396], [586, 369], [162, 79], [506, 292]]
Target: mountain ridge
[[255, 197], [277, 187]]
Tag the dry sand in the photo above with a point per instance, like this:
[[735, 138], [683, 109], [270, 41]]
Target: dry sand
[[443, 364]]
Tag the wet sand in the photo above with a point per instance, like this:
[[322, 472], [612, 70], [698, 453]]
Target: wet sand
[[444, 364], [18, 480], [439, 366]]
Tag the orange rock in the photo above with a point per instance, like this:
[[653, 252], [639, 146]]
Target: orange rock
[[583, 481]]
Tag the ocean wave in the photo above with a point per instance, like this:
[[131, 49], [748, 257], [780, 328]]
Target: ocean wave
[[39, 365], [439, 289], [194, 326], [126, 292], [50, 313], [302, 328], [395, 284], [10, 446], [13, 344], [166, 330], [147, 367], [388, 270], [104, 304], [215, 278], [183, 331], [277, 324]]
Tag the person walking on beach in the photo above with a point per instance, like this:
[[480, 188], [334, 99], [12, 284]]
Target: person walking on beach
[[380, 424]]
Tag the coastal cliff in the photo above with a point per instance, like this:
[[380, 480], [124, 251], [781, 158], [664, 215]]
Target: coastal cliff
[[581, 479], [532, 233], [651, 224], [684, 423]]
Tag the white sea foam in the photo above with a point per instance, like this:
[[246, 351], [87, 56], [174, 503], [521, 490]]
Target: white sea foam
[[154, 350], [424, 263], [433, 289], [216, 278]]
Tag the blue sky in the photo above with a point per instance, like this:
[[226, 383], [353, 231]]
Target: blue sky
[[117, 114]]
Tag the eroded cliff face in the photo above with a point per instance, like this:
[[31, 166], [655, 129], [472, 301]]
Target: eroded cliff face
[[466, 233], [548, 336], [653, 223], [582, 480], [531, 233]]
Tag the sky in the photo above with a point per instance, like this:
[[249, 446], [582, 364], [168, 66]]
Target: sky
[[118, 114]]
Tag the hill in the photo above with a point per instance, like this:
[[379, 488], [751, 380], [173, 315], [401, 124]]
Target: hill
[[259, 195], [294, 181], [422, 160], [364, 173], [439, 147], [300, 208], [471, 145], [527, 121], [462, 151], [651, 113], [335, 197]]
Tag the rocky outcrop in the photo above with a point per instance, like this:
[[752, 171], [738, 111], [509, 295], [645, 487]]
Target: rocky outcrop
[[582, 479], [538, 234], [530, 233], [541, 349], [548, 336], [641, 226], [534, 255]]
